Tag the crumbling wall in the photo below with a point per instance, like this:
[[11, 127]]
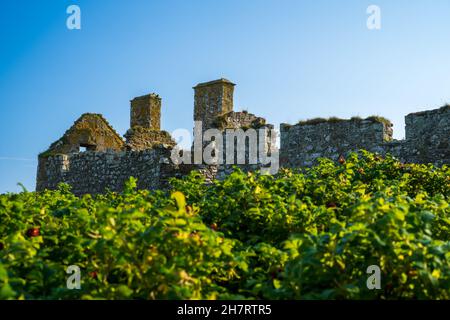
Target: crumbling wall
[[139, 138], [427, 134], [427, 139], [109, 161], [302, 144], [238, 120], [96, 172], [91, 131]]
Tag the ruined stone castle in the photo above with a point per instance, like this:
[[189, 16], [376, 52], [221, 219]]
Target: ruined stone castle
[[92, 157]]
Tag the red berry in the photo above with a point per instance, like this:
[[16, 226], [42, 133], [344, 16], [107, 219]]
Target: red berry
[[331, 205], [214, 226], [33, 232], [93, 274]]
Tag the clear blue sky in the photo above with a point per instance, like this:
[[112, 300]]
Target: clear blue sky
[[291, 60]]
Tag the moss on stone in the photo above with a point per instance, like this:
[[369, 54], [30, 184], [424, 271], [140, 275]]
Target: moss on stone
[[50, 153], [46, 154], [335, 120], [315, 121], [312, 121], [379, 119]]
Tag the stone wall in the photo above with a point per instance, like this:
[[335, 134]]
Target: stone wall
[[427, 139], [95, 172], [90, 131], [146, 153], [109, 161], [139, 138], [238, 120], [302, 144], [428, 134]]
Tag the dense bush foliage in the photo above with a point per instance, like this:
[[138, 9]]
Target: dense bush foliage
[[307, 234]]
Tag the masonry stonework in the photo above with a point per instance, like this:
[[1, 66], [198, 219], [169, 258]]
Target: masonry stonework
[[146, 112], [302, 144], [145, 124], [97, 172], [145, 153], [212, 99], [427, 139]]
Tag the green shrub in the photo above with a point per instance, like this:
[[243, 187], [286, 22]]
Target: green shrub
[[301, 234]]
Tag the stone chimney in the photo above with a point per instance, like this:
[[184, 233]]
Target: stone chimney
[[212, 99], [146, 112]]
